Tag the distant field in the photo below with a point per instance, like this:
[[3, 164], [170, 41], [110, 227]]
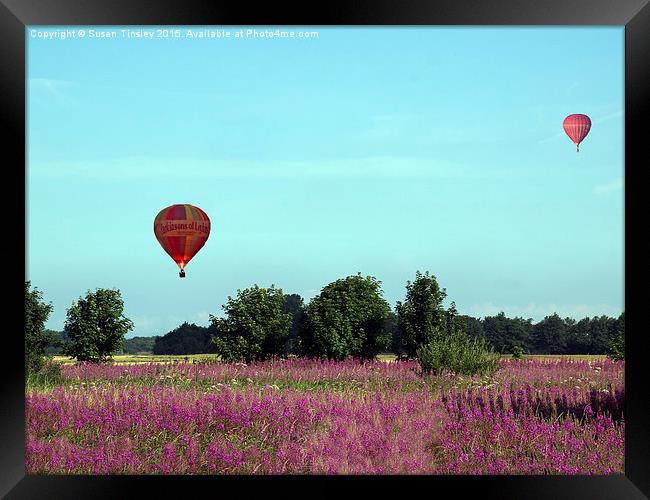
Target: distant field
[[575, 357], [150, 358], [161, 358]]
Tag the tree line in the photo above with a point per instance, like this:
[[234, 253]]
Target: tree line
[[348, 318], [134, 345]]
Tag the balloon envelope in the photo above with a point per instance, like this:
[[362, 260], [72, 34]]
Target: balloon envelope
[[181, 230], [577, 127]]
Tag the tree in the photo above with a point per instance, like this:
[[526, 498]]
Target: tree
[[421, 315], [620, 323], [347, 318], [602, 330], [472, 326], [255, 327], [186, 339], [452, 320], [294, 305], [57, 342], [550, 335], [494, 328], [96, 326], [579, 340], [393, 331], [519, 332], [36, 337], [504, 333], [138, 345], [617, 345]]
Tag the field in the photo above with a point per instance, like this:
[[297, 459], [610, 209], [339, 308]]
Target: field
[[540, 415], [148, 358], [158, 358]]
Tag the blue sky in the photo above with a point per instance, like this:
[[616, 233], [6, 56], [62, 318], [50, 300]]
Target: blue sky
[[380, 151]]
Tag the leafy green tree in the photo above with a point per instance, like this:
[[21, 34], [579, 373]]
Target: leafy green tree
[[422, 314], [602, 330], [472, 326], [452, 319], [138, 345], [37, 338], [393, 331], [255, 326], [550, 335], [592, 336], [494, 328], [347, 318], [96, 326], [617, 345], [505, 333], [620, 323], [186, 339], [57, 343], [579, 340], [294, 305]]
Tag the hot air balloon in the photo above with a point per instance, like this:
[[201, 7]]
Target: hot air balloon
[[181, 230], [577, 127]]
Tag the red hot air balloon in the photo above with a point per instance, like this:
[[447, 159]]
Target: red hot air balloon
[[577, 127], [181, 230]]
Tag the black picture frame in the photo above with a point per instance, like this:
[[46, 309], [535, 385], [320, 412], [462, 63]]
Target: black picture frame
[[15, 15]]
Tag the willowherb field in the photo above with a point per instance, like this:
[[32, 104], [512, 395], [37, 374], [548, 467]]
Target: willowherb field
[[306, 417]]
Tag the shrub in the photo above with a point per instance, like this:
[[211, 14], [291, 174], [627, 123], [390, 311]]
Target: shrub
[[517, 352], [617, 347], [48, 375], [457, 353]]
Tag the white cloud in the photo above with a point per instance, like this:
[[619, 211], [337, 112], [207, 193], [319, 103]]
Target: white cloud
[[609, 187]]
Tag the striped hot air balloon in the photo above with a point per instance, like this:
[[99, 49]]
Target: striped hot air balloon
[[577, 127], [181, 230]]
